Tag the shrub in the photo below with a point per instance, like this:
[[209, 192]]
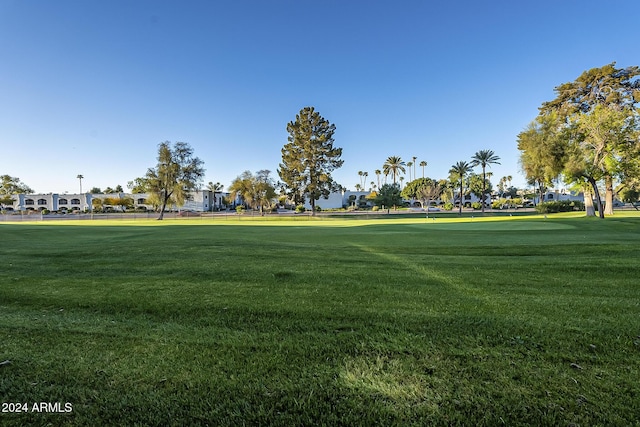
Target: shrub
[[543, 208], [447, 206], [559, 206], [318, 209], [240, 210], [375, 208], [45, 212], [300, 209], [476, 206], [352, 208]]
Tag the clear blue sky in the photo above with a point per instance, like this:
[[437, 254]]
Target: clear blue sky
[[92, 87]]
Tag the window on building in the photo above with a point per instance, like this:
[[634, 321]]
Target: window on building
[[28, 202], [62, 201], [75, 201], [42, 201], [141, 201]]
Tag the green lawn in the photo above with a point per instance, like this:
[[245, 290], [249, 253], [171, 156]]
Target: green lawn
[[415, 321]]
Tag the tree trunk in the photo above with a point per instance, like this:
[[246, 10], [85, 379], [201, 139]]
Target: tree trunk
[[588, 204], [313, 206], [540, 188], [596, 193], [164, 206], [608, 195], [483, 197]]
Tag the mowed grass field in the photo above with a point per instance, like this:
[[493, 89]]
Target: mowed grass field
[[329, 322]]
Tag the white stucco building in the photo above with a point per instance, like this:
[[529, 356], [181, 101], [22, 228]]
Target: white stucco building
[[201, 201]]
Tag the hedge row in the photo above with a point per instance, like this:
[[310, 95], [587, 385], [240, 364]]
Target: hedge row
[[560, 206]]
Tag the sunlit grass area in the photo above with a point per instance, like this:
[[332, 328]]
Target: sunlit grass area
[[406, 321]]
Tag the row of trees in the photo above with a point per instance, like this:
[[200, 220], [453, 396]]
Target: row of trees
[[394, 166], [589, 135], [308, 159], [426, 190]]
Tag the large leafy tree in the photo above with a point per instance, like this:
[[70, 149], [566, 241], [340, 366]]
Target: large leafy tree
[[479, 186], [388, 196], [424, 190], [9, 186], [484, 158], [309, 158], [394, 165], [459, 173], [600, 118], [256, 191], [139, 185], [13, 185], [543, 152], [177, 173]]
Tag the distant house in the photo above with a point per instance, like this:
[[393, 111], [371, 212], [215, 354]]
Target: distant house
[[555, 195], [51, 202], [339, 200]]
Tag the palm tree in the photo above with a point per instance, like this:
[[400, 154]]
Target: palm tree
[[414, 166], [378, 172], [393, 166], [80, 178], [484, 158], [459, 171], [360, 173], [423, 164], [215, 188], [409, 164]]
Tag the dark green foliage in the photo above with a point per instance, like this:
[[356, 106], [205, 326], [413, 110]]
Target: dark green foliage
[[388, 196], [309, 158], [424, 190], [589, 133], [560, 206]]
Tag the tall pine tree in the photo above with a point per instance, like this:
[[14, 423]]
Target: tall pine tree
[[309, 158]]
